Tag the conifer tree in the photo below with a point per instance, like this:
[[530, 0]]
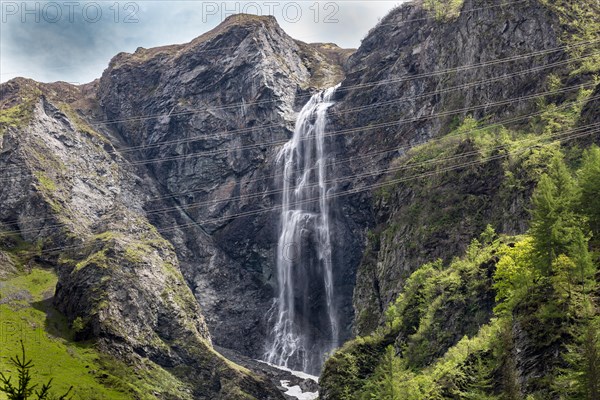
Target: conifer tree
[[554, 226], [23, 389], [589, 183]]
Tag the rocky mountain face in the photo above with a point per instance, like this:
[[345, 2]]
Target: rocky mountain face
[[414, 79], [67, 189], [443, 103], [230, 98], [152, 190]]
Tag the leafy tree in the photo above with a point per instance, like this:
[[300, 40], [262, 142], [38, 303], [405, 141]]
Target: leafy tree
[[481, 383], [488, 236], [342, 375], [579, 252], [590, 346], [564, 269], [388, 377], [23, 389], [582, 379]]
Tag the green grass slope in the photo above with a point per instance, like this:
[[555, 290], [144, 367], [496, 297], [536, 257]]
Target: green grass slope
[[27, 315]]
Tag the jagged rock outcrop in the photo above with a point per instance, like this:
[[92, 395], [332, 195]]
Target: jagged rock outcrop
[[442, 190], [155, 183]]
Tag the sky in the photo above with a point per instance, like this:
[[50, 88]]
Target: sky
[[73, 41]]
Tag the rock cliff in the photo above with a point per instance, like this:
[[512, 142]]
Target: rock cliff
[[417, 77], [220, 107], [152, 190], [149, 190], [67, 190]]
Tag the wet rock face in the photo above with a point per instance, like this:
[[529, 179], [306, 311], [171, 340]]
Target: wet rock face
[[220, 108]]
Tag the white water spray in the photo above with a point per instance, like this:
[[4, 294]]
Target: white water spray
[[304, 246]]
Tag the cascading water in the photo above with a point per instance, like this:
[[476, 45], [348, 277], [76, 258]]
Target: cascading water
[[304, 314]]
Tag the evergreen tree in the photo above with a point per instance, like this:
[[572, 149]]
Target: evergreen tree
[[591, 362], [581, 380], [23, 389], [393, 381], [589, 183], [554, 227]]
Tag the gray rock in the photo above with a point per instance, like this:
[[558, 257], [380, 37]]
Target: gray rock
[[406, 44], [227, 102], [309, 385], [68, 191]]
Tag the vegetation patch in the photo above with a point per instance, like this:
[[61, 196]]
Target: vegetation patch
[[27, 315], [16, 116], [580, 23], [456, 326], [444, 10], [45, 181]]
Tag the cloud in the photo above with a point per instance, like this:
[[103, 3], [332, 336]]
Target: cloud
[[74, 41]]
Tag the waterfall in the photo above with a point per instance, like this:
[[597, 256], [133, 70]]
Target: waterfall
[[305, 325]]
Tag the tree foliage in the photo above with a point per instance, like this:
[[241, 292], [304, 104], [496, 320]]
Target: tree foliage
[[545, 290], [589, 182], [393, 381], [515, 274], [555, 226]]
